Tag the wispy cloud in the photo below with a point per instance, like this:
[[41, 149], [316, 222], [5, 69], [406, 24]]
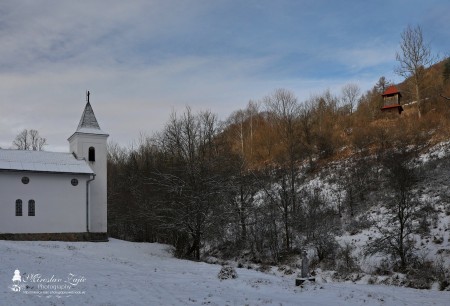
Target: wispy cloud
[[141, 59]]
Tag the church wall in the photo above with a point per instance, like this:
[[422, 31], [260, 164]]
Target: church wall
[[60, 207]]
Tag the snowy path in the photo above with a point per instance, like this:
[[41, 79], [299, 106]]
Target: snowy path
[[125, 273]]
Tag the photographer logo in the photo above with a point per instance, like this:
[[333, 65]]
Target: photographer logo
[[44, 286]]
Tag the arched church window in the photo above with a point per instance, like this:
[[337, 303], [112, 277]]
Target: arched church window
[[91, 154], [18, 207], [31, 208]]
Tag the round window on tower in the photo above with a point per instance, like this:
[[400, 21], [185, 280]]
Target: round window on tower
[[25, 180], [74, 182]]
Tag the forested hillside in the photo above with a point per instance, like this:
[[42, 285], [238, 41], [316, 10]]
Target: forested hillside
[[281, 176]]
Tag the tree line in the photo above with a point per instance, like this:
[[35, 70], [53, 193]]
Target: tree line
[[240, 186], [280, 176], [244, 187]]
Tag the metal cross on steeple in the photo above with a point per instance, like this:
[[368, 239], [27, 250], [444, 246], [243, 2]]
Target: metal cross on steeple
[[87, 96]]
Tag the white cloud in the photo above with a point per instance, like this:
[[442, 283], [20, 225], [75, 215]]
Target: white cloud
[[141, 59], [126, 101]]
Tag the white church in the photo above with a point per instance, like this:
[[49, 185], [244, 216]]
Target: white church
[[57, 196]]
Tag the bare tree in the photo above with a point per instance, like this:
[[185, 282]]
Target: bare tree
[[29, 140], [284, 109], [325, 119], [252, 111], [36, 141], [319, 222], [446, 72], [397, 226], [21, 141], [306, 125], [350, 95], [415, 56], [194, 184], [237, 124]]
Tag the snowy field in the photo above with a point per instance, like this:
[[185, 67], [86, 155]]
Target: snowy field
[[126, 273]]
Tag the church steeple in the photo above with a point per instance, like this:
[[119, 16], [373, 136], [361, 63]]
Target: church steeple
[[88, 119], [88, 123]]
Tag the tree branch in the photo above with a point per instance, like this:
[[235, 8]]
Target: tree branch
[[447, 98]]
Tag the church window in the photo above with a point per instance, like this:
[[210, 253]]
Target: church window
[[74, 182], [31, 208], [25, 180], [92, 154], [18, 207]]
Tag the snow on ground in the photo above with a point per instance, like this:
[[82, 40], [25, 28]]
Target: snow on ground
[[436, 152], [126, 273]]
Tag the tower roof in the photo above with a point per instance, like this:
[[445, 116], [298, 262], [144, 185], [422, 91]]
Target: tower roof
[[88, 119], [391, 90], [88, 123]]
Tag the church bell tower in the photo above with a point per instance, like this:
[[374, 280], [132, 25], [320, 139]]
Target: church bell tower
[[89, 143]]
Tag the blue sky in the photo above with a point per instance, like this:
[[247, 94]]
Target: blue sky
[[143, 59]]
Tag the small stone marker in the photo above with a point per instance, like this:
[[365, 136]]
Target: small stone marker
[[305, 265], [305, 271]]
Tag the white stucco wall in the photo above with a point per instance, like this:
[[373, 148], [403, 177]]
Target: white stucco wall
[[80, 144], [60, 207]]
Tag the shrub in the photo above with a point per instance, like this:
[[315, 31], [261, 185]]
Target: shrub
[[325, 246], [421, 274], [181, 244], [438, 240], [359, 224], [424, 226], [442, 274], [345, 262], [384, 268], [264, 268], [226, 273], [372, 280]]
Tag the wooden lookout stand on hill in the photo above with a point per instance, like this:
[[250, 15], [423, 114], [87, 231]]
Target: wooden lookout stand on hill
[[391, 100]]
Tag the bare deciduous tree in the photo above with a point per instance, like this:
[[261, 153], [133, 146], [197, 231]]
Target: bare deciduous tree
[[446, 72], [283, 106], [252, 111], [193, 185], [29, 140], [397, 225], [350, 95], [415, 56]]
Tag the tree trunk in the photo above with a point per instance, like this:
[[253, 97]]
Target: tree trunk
[[419, 102], [242, 218]]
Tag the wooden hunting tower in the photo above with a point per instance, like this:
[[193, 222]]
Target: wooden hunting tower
[[391, 100]]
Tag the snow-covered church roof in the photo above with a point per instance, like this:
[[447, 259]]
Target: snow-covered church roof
[[42, 161], [88, 123]]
